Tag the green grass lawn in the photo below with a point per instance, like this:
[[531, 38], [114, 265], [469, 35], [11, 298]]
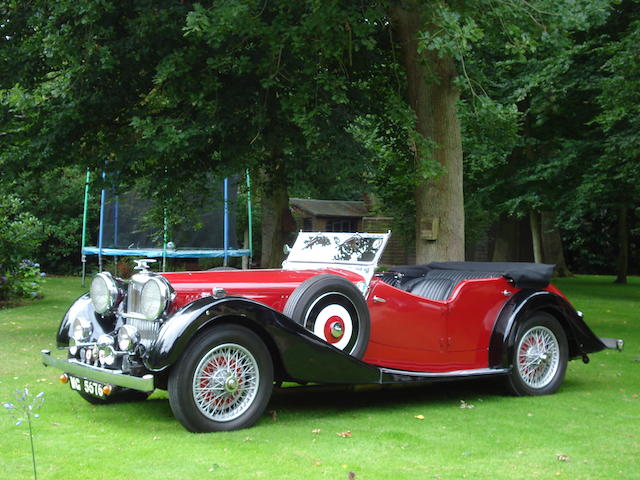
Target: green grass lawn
[[590, 429]]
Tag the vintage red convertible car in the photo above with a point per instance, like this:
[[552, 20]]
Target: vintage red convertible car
[[218, 340]]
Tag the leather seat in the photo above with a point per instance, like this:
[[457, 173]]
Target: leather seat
[[439, 284], [433, 288]]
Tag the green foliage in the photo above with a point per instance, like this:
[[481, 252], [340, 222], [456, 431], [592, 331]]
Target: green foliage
[[396, 168], [619, 100], [310, 96], [562, 73], [20, 235], [84, 68], [490, 134], [527, 71], [55, 198], [171, 92], [168, 90], [603, 163], [22, 281]]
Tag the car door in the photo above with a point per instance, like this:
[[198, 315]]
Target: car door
[[407, 332], [472, 311]]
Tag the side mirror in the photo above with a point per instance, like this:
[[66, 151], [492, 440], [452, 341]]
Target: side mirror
[[286, 249]]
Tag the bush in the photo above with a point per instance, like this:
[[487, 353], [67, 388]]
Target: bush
[[56, 199], [20, 235]]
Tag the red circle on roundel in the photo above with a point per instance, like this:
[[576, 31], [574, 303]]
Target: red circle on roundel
[[329, 325]]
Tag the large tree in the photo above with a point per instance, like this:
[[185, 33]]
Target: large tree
[[529, 115], [312, 94], [432, 93], [617, 172], [170, 91]]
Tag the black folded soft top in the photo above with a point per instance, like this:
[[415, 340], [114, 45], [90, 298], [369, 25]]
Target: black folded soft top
[[523, 275]]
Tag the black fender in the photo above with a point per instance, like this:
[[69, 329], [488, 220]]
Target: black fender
[[521, 306], [83, 307], [303, 356]]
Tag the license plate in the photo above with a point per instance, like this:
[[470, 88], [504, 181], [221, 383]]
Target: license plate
[[87, 386]]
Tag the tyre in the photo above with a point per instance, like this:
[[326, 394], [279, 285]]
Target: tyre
[[540, 356], [223, 381], [125, 395], [333, 309]]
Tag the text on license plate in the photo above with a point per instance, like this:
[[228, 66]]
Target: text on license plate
[[87, 386]]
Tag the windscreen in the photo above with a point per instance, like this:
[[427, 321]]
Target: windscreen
[[337, 248]]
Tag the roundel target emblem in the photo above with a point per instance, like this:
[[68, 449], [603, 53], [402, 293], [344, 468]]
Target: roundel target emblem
[[332, 319]]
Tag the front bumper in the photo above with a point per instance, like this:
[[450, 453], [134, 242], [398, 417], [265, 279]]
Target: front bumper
[[102, 375]]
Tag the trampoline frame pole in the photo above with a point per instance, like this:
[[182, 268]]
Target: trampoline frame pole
[[249, 217], [164, 241], [83, 257], [226, 221], [103, 196], [116, 219]]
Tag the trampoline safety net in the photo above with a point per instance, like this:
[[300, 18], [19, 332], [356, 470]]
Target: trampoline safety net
[[133, 225]]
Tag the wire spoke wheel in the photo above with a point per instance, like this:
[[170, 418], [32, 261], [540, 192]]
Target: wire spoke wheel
[[538, 357], [226, 382], [223, 381]]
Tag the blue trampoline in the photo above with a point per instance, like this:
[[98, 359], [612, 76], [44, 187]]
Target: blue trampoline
[[129, 227]]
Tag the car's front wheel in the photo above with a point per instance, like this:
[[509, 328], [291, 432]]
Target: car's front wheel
[[540, 356], [223, 381]]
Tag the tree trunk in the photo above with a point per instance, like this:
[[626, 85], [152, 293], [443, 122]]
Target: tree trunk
[[506, 241], [275, 217], [623, 246], [433, 95], [536, 236], [552, 245]]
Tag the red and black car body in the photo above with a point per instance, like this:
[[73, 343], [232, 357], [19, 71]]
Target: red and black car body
[[218, 340]]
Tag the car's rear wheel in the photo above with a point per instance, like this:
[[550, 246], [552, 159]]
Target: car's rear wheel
[[540, 356], [223, 381], [333, 309]]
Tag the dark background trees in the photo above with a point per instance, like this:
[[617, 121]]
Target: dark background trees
[[533, 105]]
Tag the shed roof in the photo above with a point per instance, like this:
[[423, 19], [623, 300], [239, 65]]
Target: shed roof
[[330, 208]]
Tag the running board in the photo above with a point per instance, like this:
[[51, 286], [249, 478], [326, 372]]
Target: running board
[[389, 375]]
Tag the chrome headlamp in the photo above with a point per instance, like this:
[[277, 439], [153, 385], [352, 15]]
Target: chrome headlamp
[[104, 292], [154, 298], [106, 352], [81, 329], [128, 338]]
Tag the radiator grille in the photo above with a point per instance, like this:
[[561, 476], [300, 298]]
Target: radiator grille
[[148, 330], [133, 296]]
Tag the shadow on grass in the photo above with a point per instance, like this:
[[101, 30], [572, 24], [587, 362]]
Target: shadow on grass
[[308, 399], [304, 404], [320, 400]]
